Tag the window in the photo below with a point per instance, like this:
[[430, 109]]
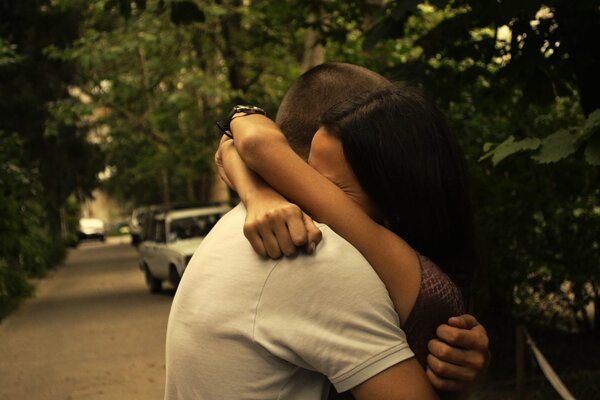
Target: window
[[191, 227]]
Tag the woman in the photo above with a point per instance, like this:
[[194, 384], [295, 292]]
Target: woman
[[397, 165]]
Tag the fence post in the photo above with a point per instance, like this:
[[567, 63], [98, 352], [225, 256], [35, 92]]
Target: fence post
[[520, 362]]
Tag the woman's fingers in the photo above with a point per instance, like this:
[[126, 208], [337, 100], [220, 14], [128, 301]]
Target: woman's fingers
[[448, 385], [465, 321], [286, 224], [269, 241], [464, 332], [251, 233], [474, 359], [281, 230], [295, 225], [284, 238], [447, 370], [314, 234], [219, 165]]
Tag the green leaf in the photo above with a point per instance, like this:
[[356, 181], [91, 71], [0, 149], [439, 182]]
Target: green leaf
[[555, 147], [509, 147], [592, 123], [592, 151]]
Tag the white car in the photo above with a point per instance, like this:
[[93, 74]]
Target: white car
[[91, 228], [173, 236]]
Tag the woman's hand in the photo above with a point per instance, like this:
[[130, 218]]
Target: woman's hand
[[219, 162], [275, 226], [459, 355]]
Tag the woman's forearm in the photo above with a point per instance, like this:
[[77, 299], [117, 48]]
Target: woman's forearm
[[273, 225], [243, 180], [256, 138]]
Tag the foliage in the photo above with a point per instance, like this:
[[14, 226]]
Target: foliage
[[24, 238], [518, 74], [44, 153], [155, 119], [556, 146], [35, 101], [13, 288]]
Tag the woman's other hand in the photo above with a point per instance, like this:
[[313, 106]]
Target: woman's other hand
[[459, 355], [276, 227], [219, 160]]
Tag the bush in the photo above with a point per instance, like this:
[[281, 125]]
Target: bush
[[14, 287], [26, 247]]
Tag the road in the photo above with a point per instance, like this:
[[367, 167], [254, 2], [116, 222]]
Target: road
[[92, 331]]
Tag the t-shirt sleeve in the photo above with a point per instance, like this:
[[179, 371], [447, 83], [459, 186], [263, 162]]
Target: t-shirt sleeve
[[332, 314]]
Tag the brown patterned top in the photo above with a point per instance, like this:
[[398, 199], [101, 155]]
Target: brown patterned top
[[439, 299]]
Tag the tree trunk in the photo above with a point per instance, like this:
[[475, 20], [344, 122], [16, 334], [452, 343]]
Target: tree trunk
[[165, 185], [231, 28], [596, 329], [314, 52], [189, 185], [205, 187]]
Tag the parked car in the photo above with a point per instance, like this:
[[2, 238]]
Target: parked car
[[149, 213], [136, 225], [170, 240], [91, 228]]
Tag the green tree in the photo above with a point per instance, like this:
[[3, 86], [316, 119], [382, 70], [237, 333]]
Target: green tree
[[162, 73], [44, 153], [525, 76], [34, 90]]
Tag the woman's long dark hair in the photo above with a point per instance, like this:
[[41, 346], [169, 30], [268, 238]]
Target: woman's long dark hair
[[406, 159]]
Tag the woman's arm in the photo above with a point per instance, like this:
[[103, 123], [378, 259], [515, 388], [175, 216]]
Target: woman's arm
[[265, 150], [282, 225]]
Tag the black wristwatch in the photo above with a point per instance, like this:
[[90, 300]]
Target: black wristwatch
[[247, 110]]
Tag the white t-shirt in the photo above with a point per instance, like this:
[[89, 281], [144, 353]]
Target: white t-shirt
[[244, 327]]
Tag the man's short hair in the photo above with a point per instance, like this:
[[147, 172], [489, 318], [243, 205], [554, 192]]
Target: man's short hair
[[315, 92]]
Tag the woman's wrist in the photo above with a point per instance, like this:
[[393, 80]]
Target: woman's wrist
[[255, 193], [256, 138], [242, 125]]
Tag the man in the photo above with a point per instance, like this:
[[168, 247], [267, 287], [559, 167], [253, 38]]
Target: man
[[242, 326]]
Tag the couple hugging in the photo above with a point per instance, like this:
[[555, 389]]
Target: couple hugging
[[364, 306]]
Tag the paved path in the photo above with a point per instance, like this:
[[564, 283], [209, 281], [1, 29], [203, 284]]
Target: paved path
[[92, 331]]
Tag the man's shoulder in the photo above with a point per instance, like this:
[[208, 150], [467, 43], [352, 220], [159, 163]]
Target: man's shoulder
[[230, 224], [226, 237], [234, 216], [334, 260], [335, 247]]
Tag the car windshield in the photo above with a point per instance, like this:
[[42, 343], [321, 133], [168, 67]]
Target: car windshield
[[190, 227], [91, 223]]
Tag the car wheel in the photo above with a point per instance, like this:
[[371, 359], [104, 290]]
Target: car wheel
[[154, 284], [174, 277]]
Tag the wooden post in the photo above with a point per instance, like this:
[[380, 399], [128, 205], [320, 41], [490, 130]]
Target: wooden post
[[520, 350]]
